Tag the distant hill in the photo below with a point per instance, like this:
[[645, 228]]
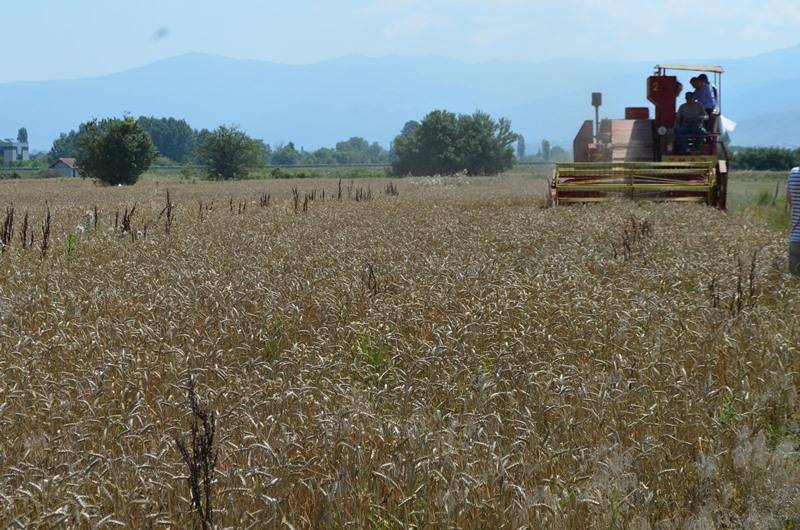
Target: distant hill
[[319, 104], [778, 129]]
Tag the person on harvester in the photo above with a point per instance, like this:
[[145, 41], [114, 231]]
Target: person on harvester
[[689, 124], [704, 93]]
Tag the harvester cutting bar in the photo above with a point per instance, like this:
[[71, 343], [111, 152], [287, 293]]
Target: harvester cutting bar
[[665, 181]]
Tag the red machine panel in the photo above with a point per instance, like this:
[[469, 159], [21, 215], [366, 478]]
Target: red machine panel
[[663, 91], [637, 113]]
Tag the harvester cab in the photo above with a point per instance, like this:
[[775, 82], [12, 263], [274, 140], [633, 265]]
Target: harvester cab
[[644, 157]]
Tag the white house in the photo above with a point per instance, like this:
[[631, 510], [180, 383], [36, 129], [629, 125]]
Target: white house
[[13, 151], [67, 167]]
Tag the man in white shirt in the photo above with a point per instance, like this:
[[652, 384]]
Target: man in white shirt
[[793, 198]]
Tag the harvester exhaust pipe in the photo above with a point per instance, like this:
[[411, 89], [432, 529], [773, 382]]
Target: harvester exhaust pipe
[[597, 102]]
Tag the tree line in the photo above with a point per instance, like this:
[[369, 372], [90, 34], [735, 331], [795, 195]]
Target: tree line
[[764, 158], [118, 151], [178, 143]]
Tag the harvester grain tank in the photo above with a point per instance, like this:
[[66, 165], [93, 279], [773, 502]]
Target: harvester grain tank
[[640, 157]]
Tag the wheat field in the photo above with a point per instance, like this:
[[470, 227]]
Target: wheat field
[[445, 355]]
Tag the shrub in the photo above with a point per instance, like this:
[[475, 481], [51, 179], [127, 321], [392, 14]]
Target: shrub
[[279, 173], [49, 174], [115, 151]]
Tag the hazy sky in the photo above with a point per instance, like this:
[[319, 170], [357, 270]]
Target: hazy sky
[[57, 39]]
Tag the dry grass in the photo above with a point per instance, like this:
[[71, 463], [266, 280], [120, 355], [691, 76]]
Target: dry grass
[[452, 356]]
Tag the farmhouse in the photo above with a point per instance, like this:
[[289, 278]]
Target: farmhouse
[[13, 151], [67, 167]]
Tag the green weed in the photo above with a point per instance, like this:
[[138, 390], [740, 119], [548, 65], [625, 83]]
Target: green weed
[[273, 337], [375, 355], [72, 244], [727, 414]]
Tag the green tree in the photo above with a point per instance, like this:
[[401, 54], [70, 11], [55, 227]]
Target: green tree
[[558, 154], [430, 149], [376, 154], [353, 151], [22, 135], [229, 153], [65, 146], [485, 145], [323, 155], [115, 151], [357, 150], [173, 138], [265, 150], [545, 151], [409, 128], [286, 155], [445, 143]]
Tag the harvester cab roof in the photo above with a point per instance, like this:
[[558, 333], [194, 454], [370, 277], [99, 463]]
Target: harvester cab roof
[[644, 157]]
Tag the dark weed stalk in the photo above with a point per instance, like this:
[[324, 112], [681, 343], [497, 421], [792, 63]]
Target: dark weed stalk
[[7, 232], [168, 213], [23, 236], [200, 457], [127, 219], [370, 281], [391, 190], [46, 233]]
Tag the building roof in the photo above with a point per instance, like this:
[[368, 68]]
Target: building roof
[[9, 142], [69, 162]]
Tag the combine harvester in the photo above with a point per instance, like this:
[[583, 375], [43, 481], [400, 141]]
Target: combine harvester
[[639, 158]]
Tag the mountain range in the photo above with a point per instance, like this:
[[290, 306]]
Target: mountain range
[[319, 104]]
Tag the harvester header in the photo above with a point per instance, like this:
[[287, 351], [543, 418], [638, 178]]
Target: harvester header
[[651, 158]]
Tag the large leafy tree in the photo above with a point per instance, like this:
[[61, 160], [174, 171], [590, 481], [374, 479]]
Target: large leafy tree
[[22, 135], [173, 138], [445, 143], [485, 146], [114, 151], [229, 153], [409, 128], [432, 148]]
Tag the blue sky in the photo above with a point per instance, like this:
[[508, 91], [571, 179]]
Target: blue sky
[[58, 39]]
